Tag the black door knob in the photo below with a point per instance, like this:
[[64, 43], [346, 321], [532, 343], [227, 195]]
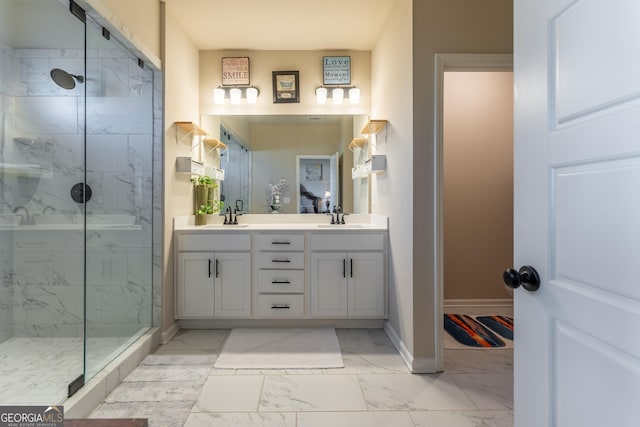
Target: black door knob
[[527, 276]]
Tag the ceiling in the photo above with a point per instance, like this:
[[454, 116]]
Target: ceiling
[[282, 24]]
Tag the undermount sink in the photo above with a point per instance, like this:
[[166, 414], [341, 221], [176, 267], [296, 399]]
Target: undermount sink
[[338, 226], [226, 226]]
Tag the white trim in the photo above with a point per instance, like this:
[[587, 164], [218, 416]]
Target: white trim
[[479, 307], [450, 62], [169, 333], [96, 390], [416, 366]]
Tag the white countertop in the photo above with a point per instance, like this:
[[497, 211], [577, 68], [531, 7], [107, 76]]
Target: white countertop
[[275, 222]]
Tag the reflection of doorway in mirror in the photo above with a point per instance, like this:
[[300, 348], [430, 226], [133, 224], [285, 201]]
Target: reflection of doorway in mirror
[[317, 181]]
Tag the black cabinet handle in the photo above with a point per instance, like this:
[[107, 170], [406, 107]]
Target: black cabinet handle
[[280, 282], [351, 267], [280, 243], [280, 307], [217, 265], [344, 268], [280, 260], [209, 267]]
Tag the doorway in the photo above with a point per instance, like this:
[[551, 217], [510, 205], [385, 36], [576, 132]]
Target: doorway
[[475, 182]]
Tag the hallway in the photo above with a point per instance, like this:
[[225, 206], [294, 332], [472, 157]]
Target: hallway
[[178, 386]]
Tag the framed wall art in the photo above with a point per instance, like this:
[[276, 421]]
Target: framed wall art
[[286, 86], [235, 71], [336, 70], [313, 172]]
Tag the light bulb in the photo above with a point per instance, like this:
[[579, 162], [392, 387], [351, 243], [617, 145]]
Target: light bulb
[[321, 95], [218, 95], [338, 95], [354, 95], [236, 95], [252, 95]]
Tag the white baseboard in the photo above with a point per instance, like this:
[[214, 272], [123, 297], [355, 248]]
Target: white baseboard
[[169, 333], [502, 306], [425, 365]]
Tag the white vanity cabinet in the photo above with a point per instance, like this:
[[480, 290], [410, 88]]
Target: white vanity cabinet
[[213, 275], [349, 282], [280, 264]]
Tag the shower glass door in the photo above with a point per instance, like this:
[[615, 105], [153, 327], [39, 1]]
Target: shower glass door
[[42, 69], [119, 159]]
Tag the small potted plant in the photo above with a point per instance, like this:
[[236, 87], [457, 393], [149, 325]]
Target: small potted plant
[[203, 198]]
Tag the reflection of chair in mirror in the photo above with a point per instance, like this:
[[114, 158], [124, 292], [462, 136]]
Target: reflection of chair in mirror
[[315, 201]]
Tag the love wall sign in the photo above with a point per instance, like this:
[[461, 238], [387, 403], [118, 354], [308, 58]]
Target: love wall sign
[[336, 70]]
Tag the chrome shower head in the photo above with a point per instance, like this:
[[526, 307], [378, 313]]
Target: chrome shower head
[[64, 79]]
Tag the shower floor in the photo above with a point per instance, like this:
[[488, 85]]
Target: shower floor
[[37, 371]]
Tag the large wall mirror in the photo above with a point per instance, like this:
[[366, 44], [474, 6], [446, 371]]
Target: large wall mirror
[[265, 151]]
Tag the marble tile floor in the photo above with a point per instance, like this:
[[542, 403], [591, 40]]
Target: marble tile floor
[[178, 386], [37, 370]]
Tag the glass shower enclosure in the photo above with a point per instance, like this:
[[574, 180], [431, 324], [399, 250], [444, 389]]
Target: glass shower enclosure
[[76, 199]]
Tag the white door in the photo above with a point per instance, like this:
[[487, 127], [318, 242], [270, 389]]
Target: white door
[[577, 212]]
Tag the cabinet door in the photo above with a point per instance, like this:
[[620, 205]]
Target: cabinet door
[[194, 290], [328, 284], [232, 273], [365, 272]]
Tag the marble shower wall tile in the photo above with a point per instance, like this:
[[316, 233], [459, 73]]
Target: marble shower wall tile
[[124, 146]]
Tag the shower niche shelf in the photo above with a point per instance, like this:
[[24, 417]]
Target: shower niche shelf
[[25, 170]]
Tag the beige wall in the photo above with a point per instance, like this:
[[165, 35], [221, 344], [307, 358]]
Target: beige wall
[[262, 63], [274, 148], [181, 58], [478, 183], [392, 191], [454, 26], [139, 21]]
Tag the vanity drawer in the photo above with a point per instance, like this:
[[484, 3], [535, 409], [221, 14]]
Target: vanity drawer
[[214, 242], [281, 260], [284, 305], [281, 281], [280, 242], [347, 241]]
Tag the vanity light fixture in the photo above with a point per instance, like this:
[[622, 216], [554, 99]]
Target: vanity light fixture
[[321, 95], [236, 94], [338, 94]]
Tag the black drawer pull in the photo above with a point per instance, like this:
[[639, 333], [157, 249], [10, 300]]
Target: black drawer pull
[[280, 243], [280, 260], [280, 282], [280, 307]]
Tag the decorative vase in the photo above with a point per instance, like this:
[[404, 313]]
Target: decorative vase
[[201, 219]]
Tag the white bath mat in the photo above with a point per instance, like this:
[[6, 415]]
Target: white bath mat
[[281, 348]]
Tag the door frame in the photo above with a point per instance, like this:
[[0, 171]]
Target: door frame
[[450, 62]]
